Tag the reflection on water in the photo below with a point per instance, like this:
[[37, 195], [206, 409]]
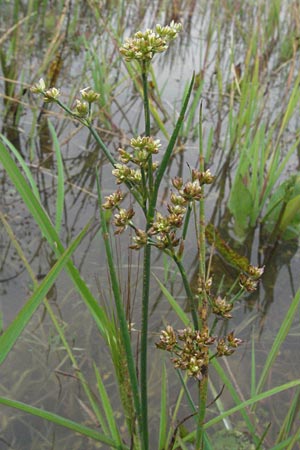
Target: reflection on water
[[38, 370]]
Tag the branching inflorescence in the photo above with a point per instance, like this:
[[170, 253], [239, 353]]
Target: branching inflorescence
[[192, 348]]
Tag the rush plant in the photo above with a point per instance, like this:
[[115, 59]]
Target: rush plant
[[196, 346]]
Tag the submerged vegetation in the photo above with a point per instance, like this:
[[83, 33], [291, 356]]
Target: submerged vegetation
[[141, 335]]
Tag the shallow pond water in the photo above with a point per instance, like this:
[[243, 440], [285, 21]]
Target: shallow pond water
[[38, 371]]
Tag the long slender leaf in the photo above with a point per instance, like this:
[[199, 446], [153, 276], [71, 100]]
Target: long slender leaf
[[280, 337], [60, 179], [245, 404], [172, 141], [12, 333], [64, 422], [109, 414], [177, 308], [48, 230], [23, 165]]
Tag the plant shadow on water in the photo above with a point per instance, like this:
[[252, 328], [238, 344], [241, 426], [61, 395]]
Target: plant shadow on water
[[247, 79]]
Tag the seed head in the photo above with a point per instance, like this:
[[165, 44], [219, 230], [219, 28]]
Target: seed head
[[122, 219], [89, 95], [255, 272], [81, 108], [50, 95], [113, 200], [38, 88], [143, 45], [233, 341], [248, 283], [140, 239], [167, 339], [222, 308]]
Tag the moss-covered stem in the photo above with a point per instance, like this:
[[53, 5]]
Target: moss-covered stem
[[121, 317]]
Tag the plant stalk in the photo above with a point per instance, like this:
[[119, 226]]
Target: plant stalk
[[203, 303]]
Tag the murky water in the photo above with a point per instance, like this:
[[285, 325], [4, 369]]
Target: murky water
[[38, 371]]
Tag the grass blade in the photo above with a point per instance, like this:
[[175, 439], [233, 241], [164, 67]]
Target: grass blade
[[172, 141], [23, 165], [281, 335], [109, 414], [245, 404], [163, 411], [60, 179], [178, 310], [62, 421], [48, 230], [12, 333]]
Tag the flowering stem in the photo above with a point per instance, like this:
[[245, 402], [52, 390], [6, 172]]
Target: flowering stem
[[186, 221], [203, 305], [146, 278], [144, 345], [87, 123], [202, 390], [147, 120]]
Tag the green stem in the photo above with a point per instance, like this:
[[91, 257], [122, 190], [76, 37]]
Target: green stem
[[146, 97], [87, 123], [101, 144], [167, 154], [144, 346], [189, 293], [146, 277], [186, 221], [202, 391], [147, 120], [203, 304]]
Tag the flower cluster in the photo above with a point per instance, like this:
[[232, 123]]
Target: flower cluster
[[50, 95], [143, 45], [164, 228], [113, 200], [124, 173], [123, 219], [82, 107], [222, 308], [250, 281], [226, 346], [189, 191], [143, 148], [191, 348]]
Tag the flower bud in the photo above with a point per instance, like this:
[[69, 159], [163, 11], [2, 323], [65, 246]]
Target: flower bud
[[38, 88], [89, 95], [81, 108], [51, 95]]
